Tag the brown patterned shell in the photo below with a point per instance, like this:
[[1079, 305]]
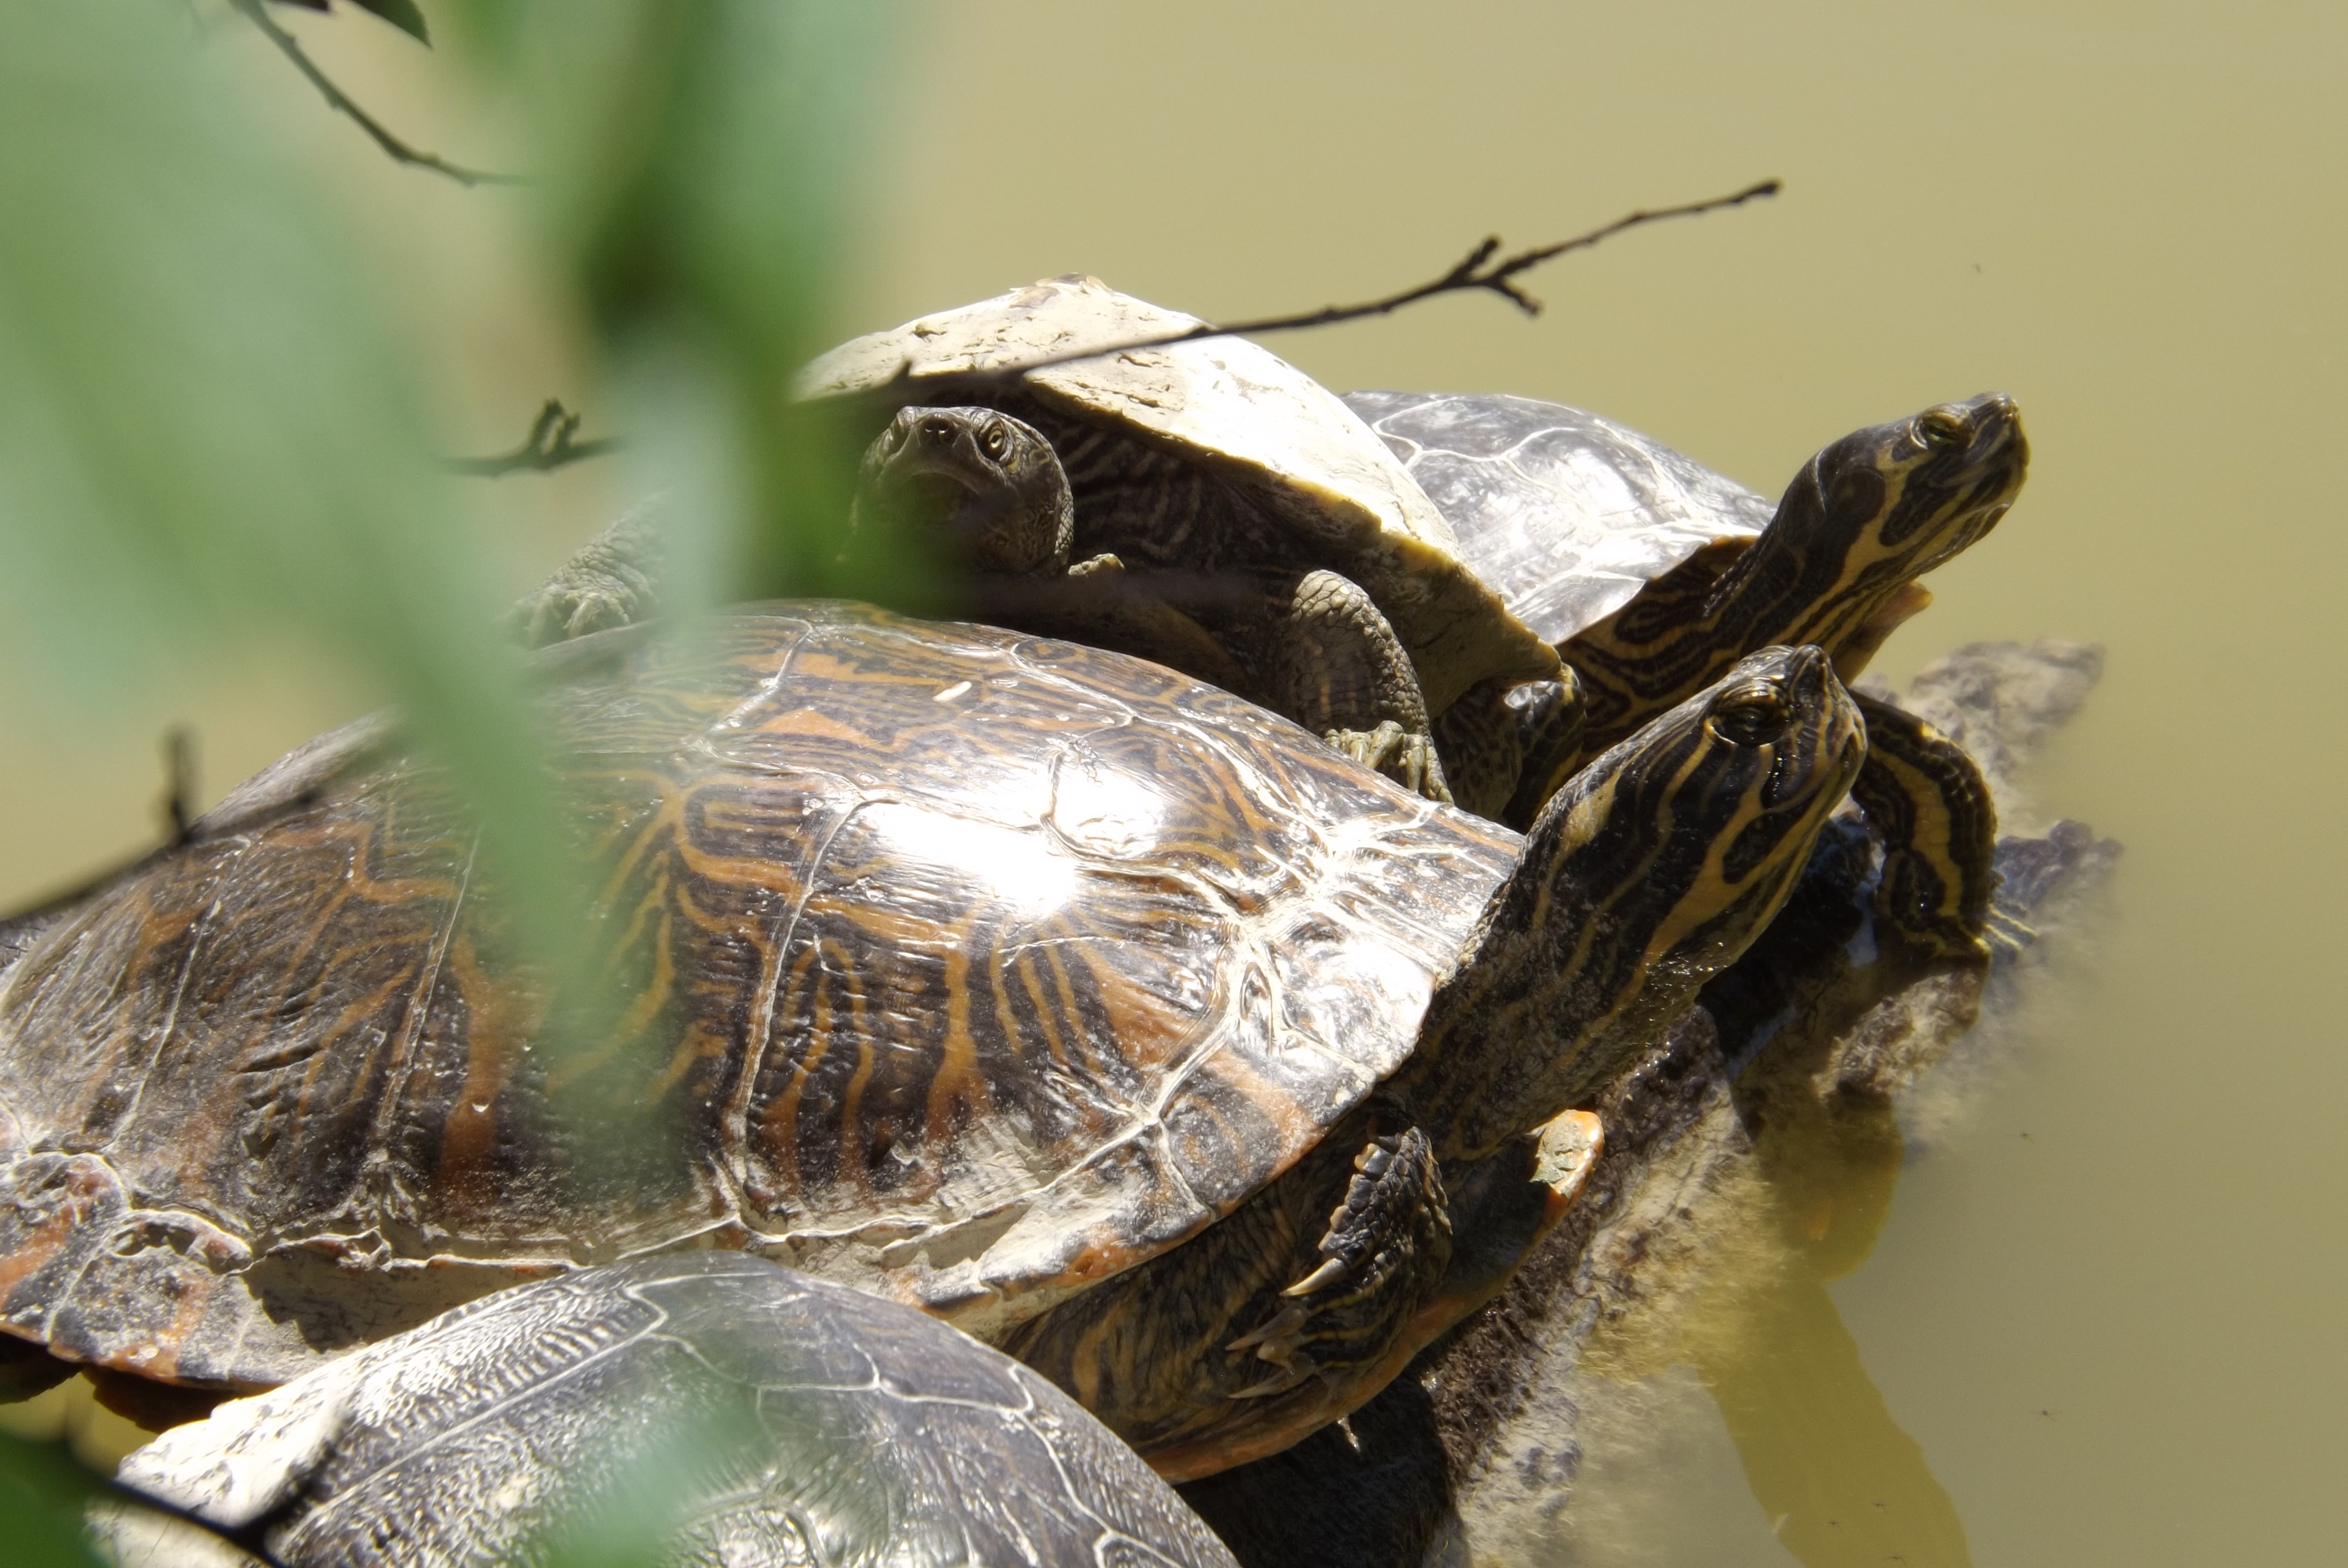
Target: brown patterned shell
[[963, 967]]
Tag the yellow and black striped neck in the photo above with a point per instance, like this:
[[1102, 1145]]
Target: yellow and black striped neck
[[1861, 521], [1653, 869]]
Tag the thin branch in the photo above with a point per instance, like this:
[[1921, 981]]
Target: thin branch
[[178, 812], [398, 150], [1476, 271], [548, 445], [179, 781]]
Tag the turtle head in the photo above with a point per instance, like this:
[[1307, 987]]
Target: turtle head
[[1650, 871], [1874, 511], [985, 486]]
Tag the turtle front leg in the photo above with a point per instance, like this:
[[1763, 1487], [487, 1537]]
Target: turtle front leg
[[1931, 806], [1334, 665], [1116, 608], [613, 580], [1271, 1324]]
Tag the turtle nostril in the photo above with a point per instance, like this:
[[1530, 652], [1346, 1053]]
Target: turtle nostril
[[937, 430]]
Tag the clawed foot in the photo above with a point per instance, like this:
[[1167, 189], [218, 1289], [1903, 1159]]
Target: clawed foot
[[572, 604], [1279, 1343], [2008, 934], [1409, 760]]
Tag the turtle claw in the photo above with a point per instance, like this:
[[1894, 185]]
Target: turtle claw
[[1279, 1382], [1409, 760], [2008, 936], [1332, 1270], [613, 580], [573, 605], [1275, 1341]]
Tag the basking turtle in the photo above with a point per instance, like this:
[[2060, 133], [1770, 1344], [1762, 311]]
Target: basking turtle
[[1651, 574], [1203, 504], [1092, 1009], [705, 1407]]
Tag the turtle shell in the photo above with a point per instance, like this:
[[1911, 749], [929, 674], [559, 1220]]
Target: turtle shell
[[1566, 513], [724, 1397], [959, 966], [1243, 414]]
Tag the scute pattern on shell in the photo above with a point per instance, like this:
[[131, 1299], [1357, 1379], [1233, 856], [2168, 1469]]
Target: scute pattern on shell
[[783, 1420], [1566, 513], [964, 967]]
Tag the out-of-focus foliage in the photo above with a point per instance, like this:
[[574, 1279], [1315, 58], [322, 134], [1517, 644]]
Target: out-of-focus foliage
[[42, 1494], [208, 424], [403, 14], [694, 162]]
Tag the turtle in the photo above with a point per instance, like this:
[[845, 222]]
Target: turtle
[[1108, 1017], [1651, 574], [704, 1406], [1202, 503]]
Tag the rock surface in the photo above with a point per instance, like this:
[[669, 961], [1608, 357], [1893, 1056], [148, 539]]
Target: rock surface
[[1749, 1160]]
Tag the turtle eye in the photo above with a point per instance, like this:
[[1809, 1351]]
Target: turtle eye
[[1943, 428], [1750, 715], [996, 438]]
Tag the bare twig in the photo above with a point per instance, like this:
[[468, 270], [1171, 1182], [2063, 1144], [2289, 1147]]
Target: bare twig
[[1477, 270], [179, 781], [179, 815], [548, 445], [398, 150]]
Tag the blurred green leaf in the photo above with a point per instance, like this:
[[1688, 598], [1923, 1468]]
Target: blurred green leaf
[[207, 425], [401, 13], [661, 1458], [698, 163], [42, 1494]]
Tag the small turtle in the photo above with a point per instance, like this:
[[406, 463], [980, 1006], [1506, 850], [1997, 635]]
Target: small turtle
[[1203, 504], [1651, 574], [1103, 1014], [705, 1408]]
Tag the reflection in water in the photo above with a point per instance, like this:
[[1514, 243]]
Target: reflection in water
[[1841, 1482], [1836, 1481]]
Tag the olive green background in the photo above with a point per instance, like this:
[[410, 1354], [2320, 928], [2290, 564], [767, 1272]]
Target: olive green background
[[2103, 1304]]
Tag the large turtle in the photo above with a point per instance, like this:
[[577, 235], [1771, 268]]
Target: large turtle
[[704, 1408], [1203, 504], [1651, 574], [1091, 1008]]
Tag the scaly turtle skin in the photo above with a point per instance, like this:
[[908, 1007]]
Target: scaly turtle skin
[[735, 1412], [1651, 574], [1202, 504], [1092, 1009]]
